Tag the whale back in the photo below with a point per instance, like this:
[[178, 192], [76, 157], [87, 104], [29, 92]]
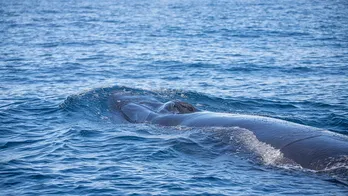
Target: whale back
[[310, 147]]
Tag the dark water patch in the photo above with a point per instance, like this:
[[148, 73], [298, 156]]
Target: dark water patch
[[130, 138], [339, 122], [185, 146], [164, 154], [171, 78], [48, 45], [209, 179], [89, 133], [302, 69], [80, 131], [201, 65], [247, 68], [343, 182], [16, 144]]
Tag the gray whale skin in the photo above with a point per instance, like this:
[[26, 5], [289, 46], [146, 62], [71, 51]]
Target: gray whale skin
[[310, 147]]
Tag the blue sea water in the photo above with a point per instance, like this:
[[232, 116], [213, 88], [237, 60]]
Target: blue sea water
[[60, 60]]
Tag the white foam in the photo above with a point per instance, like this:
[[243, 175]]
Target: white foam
[[246, 140], [268, 154]]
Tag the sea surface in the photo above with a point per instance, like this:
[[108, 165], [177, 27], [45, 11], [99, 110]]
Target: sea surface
[[60, 61]]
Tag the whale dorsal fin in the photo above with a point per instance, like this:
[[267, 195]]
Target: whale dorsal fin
[[177, 107], [184, 107]]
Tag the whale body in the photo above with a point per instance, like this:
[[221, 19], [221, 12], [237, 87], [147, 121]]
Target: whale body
[[310, 147]]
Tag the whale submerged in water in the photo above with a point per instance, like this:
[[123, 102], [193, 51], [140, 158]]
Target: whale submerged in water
[[309, 147]]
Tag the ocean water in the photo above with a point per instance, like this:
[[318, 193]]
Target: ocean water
[[60, 61]]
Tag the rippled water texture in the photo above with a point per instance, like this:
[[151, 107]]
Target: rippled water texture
[[60, 60]]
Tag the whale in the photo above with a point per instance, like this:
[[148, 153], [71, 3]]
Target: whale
[[311, 148]]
